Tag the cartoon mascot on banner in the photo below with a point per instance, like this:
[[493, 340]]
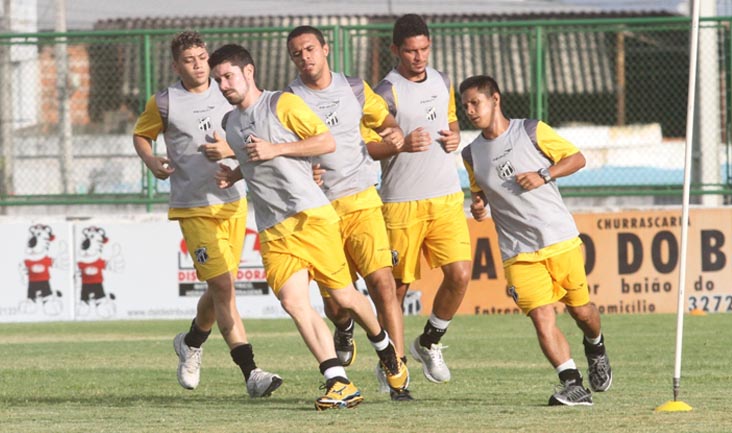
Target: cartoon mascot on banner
[[35, 271], [91, 266]]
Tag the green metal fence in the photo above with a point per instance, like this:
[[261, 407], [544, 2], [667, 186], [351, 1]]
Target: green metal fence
[[617, 88]]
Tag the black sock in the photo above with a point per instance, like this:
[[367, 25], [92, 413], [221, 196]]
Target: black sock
[[404, 360], [195, 336], [340, 379], [243, 356], [594, 349], [572, 374], [431, 335], [348, 327], [378, 337], [387, 355]]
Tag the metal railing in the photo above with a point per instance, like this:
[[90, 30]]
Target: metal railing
[[614, 87]]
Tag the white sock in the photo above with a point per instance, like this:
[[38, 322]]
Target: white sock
[[438, 323], [594, 341], [382, 344], [332, 372], [566, 365]]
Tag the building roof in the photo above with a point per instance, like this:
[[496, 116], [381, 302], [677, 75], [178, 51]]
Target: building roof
[[579, 61], [83, 14]]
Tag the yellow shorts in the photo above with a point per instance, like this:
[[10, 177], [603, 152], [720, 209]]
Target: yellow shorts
[[214, 244], [365, 243], [437, 227], [560, 278], [317, 247]]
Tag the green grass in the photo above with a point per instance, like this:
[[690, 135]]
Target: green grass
[[120, 377]]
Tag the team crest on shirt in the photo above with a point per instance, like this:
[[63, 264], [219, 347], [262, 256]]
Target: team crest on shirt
[[511, 291], [506, 170], [201, 255], [331, 119], [205, 124], [431, 113]]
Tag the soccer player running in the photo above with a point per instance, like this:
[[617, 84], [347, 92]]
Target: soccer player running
[[273, 135], [213, 221], [343, 103], [423, 200], [512, 166]]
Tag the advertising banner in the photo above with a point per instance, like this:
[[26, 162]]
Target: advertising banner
[[116, 268], [36, 271], [632, 263], [144, 270]]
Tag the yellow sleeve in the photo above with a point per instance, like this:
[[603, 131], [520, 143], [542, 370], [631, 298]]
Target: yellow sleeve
[[369, 135], [296, 116], [149, 124], [374, 108], [471, 175], [553, 146], [451, 107]]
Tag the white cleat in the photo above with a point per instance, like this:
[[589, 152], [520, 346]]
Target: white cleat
[[189, 362], [262, 383], [433, 365], [381, 378]]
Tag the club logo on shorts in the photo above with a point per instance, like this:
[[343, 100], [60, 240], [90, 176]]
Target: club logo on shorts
[[201, 255], [506, 170], [205, 124], [394, 257], [511, 291]]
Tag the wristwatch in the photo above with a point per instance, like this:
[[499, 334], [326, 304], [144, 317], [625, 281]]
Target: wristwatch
[[544, 173]]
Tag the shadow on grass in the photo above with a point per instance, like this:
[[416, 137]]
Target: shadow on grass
[[168, 401]]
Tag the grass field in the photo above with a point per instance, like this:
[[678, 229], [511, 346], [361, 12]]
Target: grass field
[[120, 377]]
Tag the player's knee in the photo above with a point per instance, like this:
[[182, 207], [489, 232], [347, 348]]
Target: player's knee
[[220, 287], [458, 276], [382, 288], [546, 330], [293, 307], [584, 313], [543, 317], [334, 312]]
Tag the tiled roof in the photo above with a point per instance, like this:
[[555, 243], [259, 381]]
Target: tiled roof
[[233, 21], [578, 62]]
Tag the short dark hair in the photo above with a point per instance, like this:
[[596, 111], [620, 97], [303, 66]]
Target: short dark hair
[[306, 30], [232, 53], [185, 40], [483, 83], [408, 26]]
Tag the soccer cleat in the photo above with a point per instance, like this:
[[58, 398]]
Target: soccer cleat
[[262, 383], [400, 395], [189, 362], [381, 378], [599, 371], [338, 395], [396, 373], [571, 394], [345, 346], [395, 394], [433, 365]]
